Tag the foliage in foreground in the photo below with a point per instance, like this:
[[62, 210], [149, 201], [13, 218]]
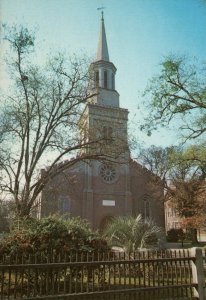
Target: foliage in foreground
[[131, 233], [52, 233]]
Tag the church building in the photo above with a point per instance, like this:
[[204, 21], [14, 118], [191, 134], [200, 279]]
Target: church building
[[98, 190]]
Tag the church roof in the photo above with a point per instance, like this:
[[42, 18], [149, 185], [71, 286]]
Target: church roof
[[102, 51]]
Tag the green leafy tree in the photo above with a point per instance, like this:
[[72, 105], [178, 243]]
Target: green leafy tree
[[131, 233], [187, 196], [177, 93], [182, 171]]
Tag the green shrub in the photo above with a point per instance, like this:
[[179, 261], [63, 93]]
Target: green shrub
[[51, 234], [132, 233]]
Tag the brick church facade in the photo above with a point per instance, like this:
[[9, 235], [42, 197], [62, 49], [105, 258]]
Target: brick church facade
[[99, 190]]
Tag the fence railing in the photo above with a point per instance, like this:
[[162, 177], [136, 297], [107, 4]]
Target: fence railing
[[169, 274]]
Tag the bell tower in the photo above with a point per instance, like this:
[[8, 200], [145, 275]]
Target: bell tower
[[103, 118], [107, 183]]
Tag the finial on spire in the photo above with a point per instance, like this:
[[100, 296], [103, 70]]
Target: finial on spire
[[102, 11]]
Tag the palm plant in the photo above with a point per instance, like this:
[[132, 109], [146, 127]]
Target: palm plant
[[131, 233]]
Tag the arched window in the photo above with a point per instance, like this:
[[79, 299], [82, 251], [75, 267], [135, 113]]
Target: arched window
[[96, 79], [63, 204], [113, 82], [146, 207], [105, 79], [107, 134]]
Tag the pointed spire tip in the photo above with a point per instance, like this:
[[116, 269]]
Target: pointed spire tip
[[102, 51], [102, 11]]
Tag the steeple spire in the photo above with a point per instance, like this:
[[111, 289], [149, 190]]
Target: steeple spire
[[103, 73], [102, 51]]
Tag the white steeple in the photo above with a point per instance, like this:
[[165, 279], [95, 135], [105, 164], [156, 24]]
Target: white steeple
[[102, 51], [103, 78]]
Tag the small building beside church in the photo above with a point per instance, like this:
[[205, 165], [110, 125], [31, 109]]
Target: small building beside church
[[99, 190]]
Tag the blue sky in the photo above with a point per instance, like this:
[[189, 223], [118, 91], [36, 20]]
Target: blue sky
[[140, 33]]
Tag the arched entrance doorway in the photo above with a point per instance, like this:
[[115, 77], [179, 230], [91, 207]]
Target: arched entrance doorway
[[104, 222]]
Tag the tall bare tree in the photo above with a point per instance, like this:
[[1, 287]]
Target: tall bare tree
[[39, 120]]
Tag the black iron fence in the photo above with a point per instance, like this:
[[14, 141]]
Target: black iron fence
[[170, 274]]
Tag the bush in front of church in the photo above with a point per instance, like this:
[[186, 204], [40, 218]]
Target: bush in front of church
[[175, 235], [51, 235]]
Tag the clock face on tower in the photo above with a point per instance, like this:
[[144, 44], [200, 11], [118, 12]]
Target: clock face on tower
[[108, 173]]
